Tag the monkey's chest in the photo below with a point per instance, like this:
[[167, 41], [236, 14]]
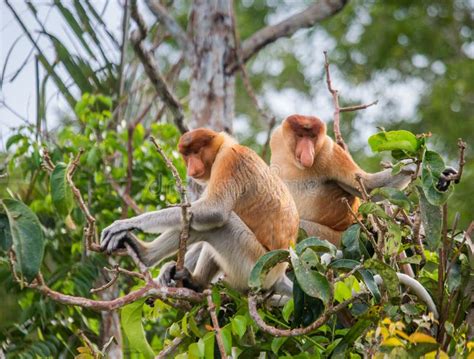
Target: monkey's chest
[[321, 202]]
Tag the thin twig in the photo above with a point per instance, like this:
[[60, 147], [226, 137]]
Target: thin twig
[[462, 161], [351, 272], [153, 72], [299, 331], [337, 108], [269, 119], [215, 323], [170, 348], [185, 212]]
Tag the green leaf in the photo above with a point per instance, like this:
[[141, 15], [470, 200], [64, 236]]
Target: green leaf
[[388, 275], [372, 208], [394, 140], [209, 340], [394, 195], [352, 246], [131, 321], [5, 234], [288, 309], [277, 343], [239, 325], [313, 283], [432, 220], [61, 193], [317, 245], [431, 171], [14, 139], [263, 265], [227, 338], [361, 274], [354, 332], [26, 236]]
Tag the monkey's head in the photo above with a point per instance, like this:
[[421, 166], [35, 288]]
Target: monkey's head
[[199, 149], [304, 136]]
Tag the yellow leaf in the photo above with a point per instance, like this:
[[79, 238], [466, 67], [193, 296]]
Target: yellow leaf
[[83, 350], [421, 338], [402, 334], [433, 355], [393, 342], [384, 332], [470, 346], [386, 321], [470, 355], [208, 327]]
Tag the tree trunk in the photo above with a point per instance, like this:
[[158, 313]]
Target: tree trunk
[[212, 90]]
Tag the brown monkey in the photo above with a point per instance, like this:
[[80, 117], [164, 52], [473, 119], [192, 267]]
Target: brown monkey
[[319, 174], [245, 211]]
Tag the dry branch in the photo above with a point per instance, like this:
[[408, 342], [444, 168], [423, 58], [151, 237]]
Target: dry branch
[[153, 72], [215, 323], [185, 212], [309, 17], [337, 108], [170, 23]]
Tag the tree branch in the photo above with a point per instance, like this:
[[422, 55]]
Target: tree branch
[[215, 323], [185, 213], [314, 13], [170, 23], [298, 331], [153, 72]]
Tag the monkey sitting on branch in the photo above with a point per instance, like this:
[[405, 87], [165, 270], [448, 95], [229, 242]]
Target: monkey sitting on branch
[[320, 174], [244, 212]]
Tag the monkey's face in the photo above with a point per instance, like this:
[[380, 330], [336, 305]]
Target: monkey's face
[[304, 136], [199, 149]]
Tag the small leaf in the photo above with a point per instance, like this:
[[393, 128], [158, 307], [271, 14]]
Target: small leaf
[[26, 236], [352, 246], [373, 208], [209, 340], [288, 309], [14, 139], [227, 338], [317, 245], [131, 320], [239, 325], [184, 325], [263, 265], [394, 140], [394, 195], [313, 283], [388, 275], [421, 338], [61, 193], [5, 235], [277, 343], [431, 171], [431, 218]]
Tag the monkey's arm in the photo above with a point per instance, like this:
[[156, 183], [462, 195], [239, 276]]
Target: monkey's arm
[[344, 170], [205, 215]]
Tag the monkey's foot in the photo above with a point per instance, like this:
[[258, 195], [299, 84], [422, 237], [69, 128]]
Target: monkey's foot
[[169, 277]]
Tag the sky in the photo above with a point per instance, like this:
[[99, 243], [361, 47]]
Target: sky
[[18, 97]]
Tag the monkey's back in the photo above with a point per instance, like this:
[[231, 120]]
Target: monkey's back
[[262, 200]]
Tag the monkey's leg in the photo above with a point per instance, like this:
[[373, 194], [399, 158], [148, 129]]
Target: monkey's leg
[[236, 250], [321, 231], [197, 254]]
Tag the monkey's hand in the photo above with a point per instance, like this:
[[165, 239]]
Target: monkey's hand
[[445, 179], [169, 277], [114, 236]]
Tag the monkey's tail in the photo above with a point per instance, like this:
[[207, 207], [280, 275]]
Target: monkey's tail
[[416, 287]]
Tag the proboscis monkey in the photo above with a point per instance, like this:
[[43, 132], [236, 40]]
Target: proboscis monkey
[[245, 211], [319, 174]]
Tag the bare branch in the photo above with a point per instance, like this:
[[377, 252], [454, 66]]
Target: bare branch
[[309, 17], [153, 72], [299, 331], [170, 349], [215, 323], [358, 107], [170, 23], [264, 113], [462, 161], [337, 108], [185, 213]]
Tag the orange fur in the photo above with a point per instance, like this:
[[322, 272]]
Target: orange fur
[[236, 174], [315, 188]]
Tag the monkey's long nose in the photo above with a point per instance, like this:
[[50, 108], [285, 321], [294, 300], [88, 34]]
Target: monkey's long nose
[[305, 152]]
